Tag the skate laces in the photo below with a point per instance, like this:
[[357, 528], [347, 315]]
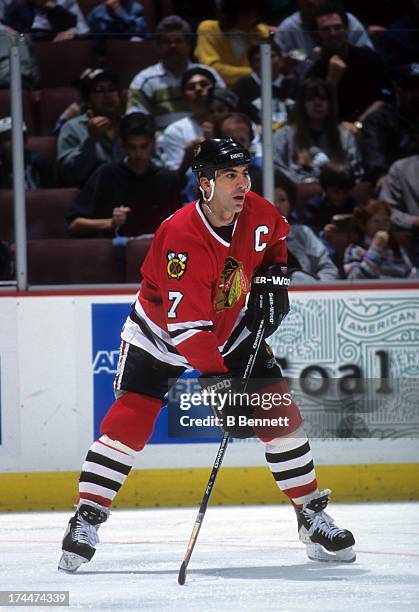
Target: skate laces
[[323, 523], [85, 533]]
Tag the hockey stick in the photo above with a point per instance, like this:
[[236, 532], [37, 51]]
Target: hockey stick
[[218, 461]]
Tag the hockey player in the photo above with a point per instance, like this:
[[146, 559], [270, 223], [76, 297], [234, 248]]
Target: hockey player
[[191, 313]]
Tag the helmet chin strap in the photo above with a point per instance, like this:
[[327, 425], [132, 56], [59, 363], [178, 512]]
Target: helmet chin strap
[[249, 184], [207, 200]]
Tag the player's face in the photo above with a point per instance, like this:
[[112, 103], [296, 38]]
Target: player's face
[[139, 150], [231, 186]]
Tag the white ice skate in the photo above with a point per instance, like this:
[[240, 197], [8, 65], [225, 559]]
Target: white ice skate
[[324, 541], [81, 536]]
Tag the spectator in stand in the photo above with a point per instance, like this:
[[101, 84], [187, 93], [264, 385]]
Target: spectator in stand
[[308, 260], [223, 43], [400, 42], [51, 19], [248, 88], [223, 101], [314, 137], [29, 68], [388, 133], [157, 89], [220, 102], [239, 127], [130, 197], [118, 18], [337, 182], [359, 75], [401, 190], [178, 141], [39, 174], [297, 33], [91, 139], [374, 251]]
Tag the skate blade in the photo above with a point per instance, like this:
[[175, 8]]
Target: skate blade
[[70, 562], [316, 552]]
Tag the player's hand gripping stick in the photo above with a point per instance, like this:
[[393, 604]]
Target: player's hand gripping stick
[[268, 299], [219, 459]]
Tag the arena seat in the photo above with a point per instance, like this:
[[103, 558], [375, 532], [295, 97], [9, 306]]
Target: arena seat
[[46, 210], [135, 253], [46, 146], [126, 58], [54, 100], [74, 261], [28, 116], [62, 63]]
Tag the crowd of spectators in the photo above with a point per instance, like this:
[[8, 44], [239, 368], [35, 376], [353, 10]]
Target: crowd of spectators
[[345, 118]]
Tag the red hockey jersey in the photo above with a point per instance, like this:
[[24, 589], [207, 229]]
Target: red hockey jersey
[[194, 286]]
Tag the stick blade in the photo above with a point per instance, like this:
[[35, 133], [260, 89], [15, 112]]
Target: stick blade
[[182, 574]]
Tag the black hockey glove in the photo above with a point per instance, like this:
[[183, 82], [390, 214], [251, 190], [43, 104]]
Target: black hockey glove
[[268, 299], [223, 393]]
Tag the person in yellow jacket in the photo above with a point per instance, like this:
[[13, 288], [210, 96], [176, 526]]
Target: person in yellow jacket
[[223, 43]]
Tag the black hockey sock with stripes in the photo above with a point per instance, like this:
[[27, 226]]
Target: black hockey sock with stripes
[[104, 471], [291, 463]]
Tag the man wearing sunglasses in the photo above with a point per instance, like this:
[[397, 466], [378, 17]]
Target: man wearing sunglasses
[[91, 139]]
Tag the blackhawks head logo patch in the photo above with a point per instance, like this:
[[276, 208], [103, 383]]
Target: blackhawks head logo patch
[[176, 264], [233, 284]]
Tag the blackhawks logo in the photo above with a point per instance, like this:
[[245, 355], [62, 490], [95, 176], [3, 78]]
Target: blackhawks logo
[[233, 284], [176, 264]]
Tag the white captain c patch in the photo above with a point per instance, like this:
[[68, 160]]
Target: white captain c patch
[[259, 232]]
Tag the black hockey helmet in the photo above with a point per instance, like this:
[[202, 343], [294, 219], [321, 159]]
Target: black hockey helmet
[[217, 154]]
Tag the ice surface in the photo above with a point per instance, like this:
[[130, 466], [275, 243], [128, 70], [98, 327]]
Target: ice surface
[[247, 558]]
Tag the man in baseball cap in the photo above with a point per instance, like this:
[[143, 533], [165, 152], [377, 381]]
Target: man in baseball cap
[[90, 139]]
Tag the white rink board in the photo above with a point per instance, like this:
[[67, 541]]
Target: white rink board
[[47, 384]]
